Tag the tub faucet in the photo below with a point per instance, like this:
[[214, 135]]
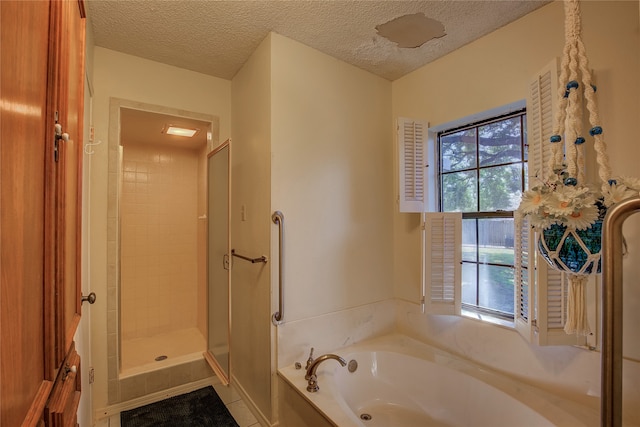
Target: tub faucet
[[309, 360], [311, 370]]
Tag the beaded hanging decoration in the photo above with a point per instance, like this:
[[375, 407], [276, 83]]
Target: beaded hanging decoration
[[568, 118], [565, 211], [577, 254]]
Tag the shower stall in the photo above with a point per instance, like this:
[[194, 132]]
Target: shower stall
[[156, 248], [162, 242]]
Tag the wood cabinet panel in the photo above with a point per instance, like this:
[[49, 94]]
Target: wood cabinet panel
[[68, 174], [23, 93], [42, 60], [62, 408]]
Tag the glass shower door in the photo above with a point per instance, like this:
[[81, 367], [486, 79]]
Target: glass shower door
[[218, 260]]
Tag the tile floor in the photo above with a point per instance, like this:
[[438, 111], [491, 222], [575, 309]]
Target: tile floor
[[229, 396]]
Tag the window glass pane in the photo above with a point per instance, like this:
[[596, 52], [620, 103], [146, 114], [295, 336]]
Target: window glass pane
[[500, 142], [500, 187], [469, 284], [458, 150], [469, 240], [496, 240], [459, 192], [482, 169], [495, 288]]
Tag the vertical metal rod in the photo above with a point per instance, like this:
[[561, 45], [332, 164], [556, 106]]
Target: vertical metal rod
[[277, 317], [611, 351]]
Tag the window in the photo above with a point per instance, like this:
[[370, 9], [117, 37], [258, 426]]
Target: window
[[478, 172], [482, 173]]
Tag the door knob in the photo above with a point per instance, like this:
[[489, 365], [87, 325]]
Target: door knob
[[68, 370], [59, 134], [91, 298]]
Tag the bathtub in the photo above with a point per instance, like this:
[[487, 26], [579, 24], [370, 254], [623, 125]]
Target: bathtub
[[402, 382]]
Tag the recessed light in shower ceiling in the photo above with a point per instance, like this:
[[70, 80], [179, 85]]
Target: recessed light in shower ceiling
[[176, 130]]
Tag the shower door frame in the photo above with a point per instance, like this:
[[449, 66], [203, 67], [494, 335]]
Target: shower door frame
[[221, 373]]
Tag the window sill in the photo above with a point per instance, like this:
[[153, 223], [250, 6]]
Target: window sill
[[487, 318]]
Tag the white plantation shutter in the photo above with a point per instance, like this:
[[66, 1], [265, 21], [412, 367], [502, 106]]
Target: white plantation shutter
[[443, 258], [412, 156], [552, 306], [540, 291], [524, 298], [541, 107]]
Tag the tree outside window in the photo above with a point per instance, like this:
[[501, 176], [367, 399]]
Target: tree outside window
[[482, 174]]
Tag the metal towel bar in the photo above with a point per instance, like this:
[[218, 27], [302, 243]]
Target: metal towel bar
[[277, 317], [246, 258], [611, 352]]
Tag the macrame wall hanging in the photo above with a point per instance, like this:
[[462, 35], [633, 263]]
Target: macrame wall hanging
[[567, 212]]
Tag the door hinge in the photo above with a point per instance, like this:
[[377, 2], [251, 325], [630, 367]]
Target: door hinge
[[92, 375]]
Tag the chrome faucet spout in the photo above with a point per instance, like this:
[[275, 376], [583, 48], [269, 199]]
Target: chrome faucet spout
[[311, 370]]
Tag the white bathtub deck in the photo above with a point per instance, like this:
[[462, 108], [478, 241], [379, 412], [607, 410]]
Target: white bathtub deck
[[558, 410]]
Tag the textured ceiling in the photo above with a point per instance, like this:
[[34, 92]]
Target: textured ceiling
[[216, 37]]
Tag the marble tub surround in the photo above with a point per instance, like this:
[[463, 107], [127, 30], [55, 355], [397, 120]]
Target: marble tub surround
[[572, 371], [331, 399], [333, 330]]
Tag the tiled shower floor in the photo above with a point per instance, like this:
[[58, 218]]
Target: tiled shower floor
[[139, 354]]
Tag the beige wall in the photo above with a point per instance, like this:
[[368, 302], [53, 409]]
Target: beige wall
[[83, 333], [158, 240], [127, 77], [251, 193], [332, 177], [495, 71], [311, 138]]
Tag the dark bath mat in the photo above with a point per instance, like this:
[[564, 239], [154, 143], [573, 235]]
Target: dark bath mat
[[200, 408]]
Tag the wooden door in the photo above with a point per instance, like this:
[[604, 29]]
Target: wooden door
[[42, 59], [68, 99], [63, 207], [24, 387]]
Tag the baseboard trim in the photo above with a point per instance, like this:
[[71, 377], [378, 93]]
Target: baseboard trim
[[109, 411]]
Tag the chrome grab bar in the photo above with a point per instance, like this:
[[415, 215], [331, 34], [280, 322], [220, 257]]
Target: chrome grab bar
[[246, 258], [277, 317], [611, 351]]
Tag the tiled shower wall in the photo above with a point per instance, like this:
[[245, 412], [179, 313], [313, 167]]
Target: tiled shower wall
[[159, 250]]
